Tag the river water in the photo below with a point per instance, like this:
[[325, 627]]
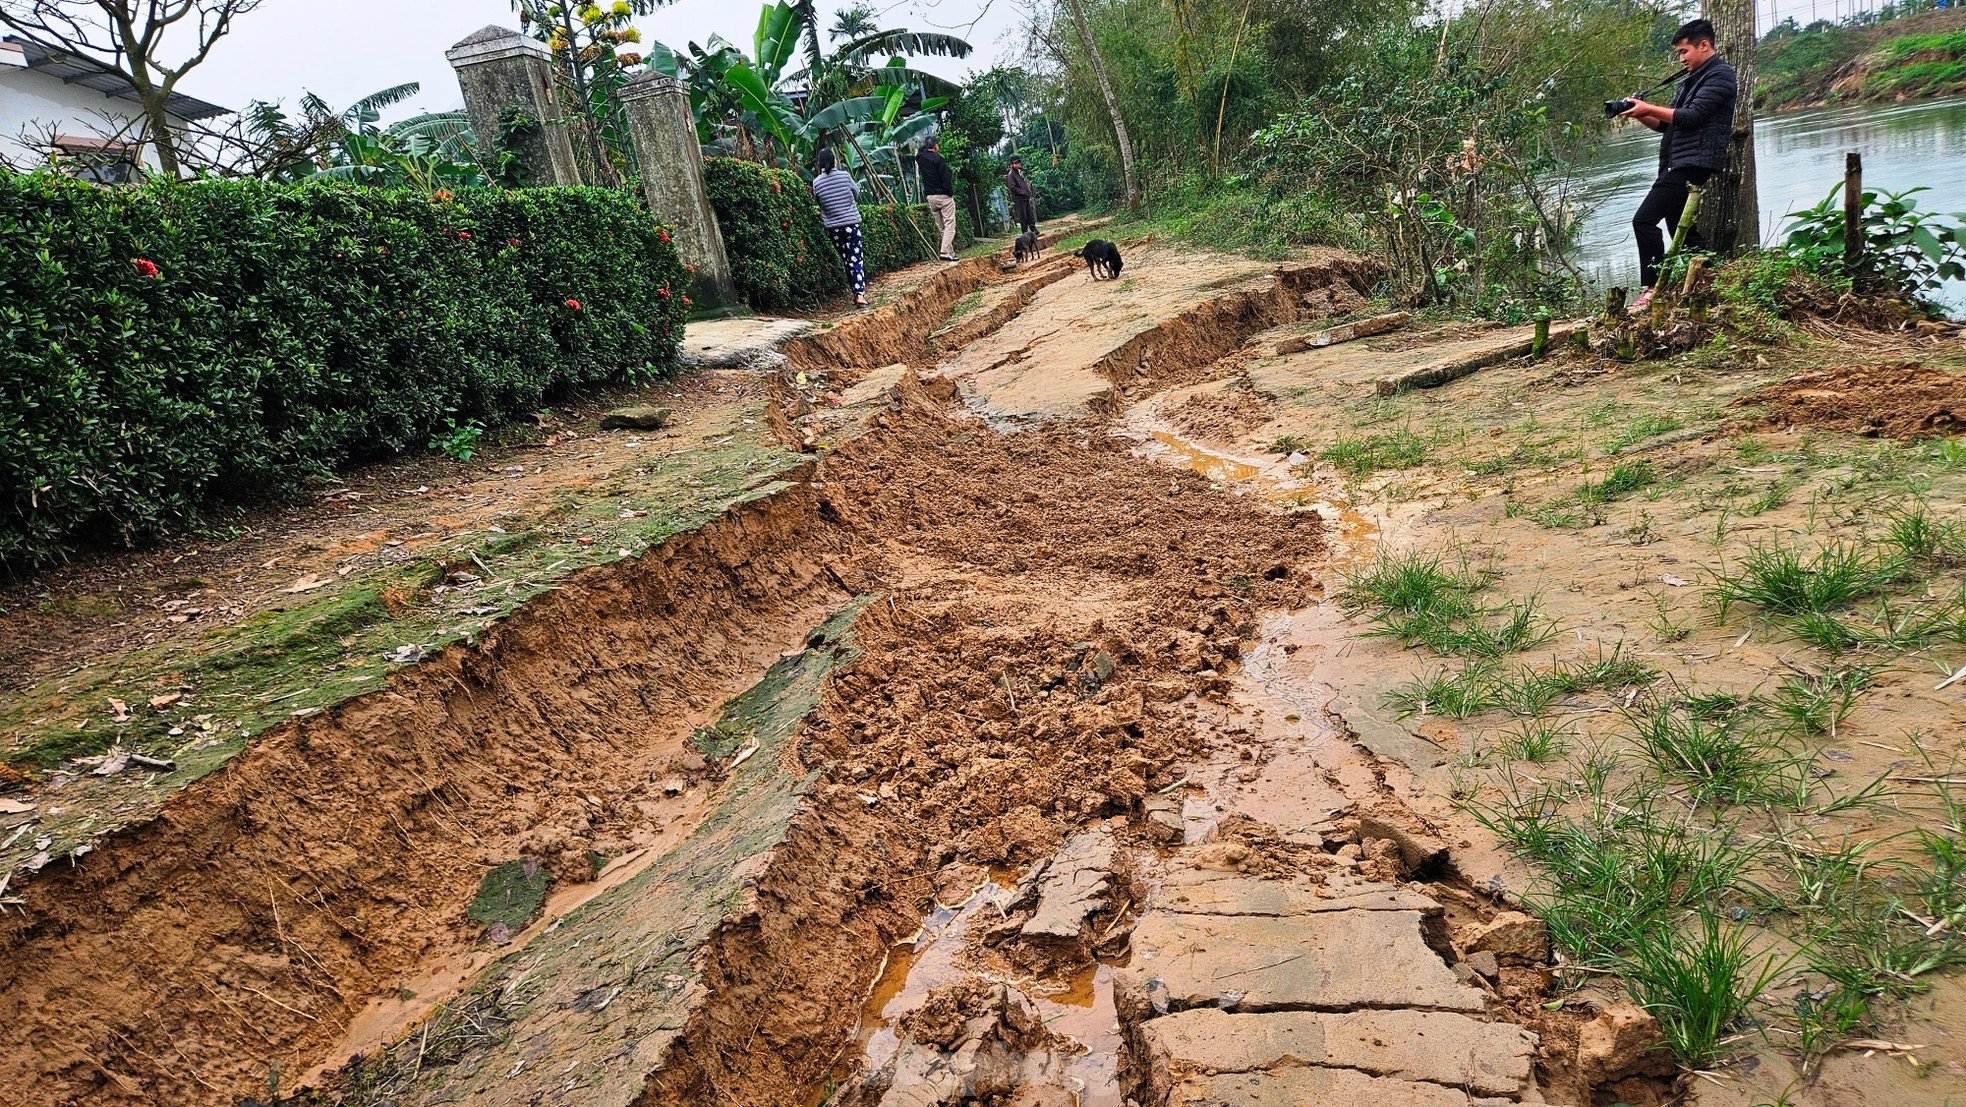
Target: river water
[[1799, 158]]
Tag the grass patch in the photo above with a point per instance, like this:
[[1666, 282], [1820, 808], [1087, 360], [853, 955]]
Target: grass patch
[[1782, 580], [1533, 740], [1584, 507], [1698, 981], [1422, 599], [1454, 693], [1360, 456], [1808, 706], [1721, 759], [1642, 428]]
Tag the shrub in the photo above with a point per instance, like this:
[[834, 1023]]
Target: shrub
[[167, 348], [780, 255], [891, 245]]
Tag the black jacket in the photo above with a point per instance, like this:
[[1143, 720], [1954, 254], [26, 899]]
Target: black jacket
[[1018, 184], [935, 174], [1702, 119]]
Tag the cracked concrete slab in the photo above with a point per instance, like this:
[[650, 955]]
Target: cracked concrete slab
[[1438, 1047], [1294, 1087], [1205, 892], [1329, 961]]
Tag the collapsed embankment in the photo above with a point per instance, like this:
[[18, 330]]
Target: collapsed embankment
[[1055, 608], [237, 934]]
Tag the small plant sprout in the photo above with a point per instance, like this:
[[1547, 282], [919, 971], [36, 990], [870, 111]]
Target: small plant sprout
[[459, 440]]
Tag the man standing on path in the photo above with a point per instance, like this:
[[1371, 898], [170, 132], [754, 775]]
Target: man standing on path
[[1696, 130], [1023, 198], [940, 188]]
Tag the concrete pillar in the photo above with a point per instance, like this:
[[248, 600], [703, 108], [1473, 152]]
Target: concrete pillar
[[657, 106], [500, 68]]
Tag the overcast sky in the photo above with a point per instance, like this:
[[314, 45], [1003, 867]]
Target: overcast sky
[[346, 49]]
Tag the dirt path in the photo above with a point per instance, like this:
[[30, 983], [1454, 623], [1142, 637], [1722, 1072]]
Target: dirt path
[[979, 724]]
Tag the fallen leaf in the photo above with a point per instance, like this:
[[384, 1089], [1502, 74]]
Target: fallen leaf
[[1676, 582], [122, 710], [14, 807], [307, 583], [159, 703]]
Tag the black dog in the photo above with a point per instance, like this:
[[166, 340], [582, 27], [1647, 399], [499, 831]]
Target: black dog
[[1100, 254], [1027, 246]]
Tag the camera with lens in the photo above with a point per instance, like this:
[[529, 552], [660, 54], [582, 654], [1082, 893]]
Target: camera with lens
[[1614, 108]]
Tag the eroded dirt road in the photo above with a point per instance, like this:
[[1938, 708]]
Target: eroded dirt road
[[982, 730]]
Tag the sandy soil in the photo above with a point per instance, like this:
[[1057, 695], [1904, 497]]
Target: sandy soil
[[1724, 459]]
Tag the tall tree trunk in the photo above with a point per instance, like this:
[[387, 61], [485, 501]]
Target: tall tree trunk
[[583, 112], [1112, 103], [1730, 215]]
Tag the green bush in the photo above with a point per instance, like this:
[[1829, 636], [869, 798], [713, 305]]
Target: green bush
[[780, 255], [172, 347]]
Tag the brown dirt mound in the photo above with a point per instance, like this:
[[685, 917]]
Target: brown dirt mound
[[1057, 603], [1892, 400], [1222, 417]]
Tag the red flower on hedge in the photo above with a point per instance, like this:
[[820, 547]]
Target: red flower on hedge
[[574, 304], [441, 195], [146, 268], [665, 236], [512, 242], [663, 292], [688, 268], [464, 235], [686, 301], [784, 224]]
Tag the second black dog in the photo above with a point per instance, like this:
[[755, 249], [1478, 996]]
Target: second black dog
[[1101, 255], [1027, 246]]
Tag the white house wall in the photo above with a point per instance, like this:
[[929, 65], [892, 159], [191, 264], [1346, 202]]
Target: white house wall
[[31, 102]]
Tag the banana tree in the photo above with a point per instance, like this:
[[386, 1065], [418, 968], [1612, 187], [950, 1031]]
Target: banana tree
[[743, 101]]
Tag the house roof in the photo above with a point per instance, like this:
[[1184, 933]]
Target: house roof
[[76, 71]]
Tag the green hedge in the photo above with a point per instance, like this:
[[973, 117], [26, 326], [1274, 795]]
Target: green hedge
[[891, 245], [168, 348], [780, 254]]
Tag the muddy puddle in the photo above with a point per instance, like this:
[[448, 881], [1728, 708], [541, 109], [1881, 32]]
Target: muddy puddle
[[952, 948]]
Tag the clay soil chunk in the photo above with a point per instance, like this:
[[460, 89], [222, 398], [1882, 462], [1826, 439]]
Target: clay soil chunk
[[1332, 961], [1206, 892], [1438, 1047], [1333, 1087], [1072, 888]]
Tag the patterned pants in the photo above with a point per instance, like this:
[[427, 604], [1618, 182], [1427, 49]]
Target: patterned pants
[[852, 251]]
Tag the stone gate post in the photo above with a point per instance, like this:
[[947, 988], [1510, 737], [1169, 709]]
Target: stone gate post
[[657, 106], [499, 68]]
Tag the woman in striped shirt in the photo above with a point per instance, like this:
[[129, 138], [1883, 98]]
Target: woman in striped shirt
[[838, 195]]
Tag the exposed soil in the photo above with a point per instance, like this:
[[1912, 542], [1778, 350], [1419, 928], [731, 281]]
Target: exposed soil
[[1892, 400], [1021, 567], [1220, 416], [1513, 471], [1092, 670]]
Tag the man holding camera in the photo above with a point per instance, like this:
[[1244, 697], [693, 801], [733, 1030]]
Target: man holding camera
[[1697, 129]]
